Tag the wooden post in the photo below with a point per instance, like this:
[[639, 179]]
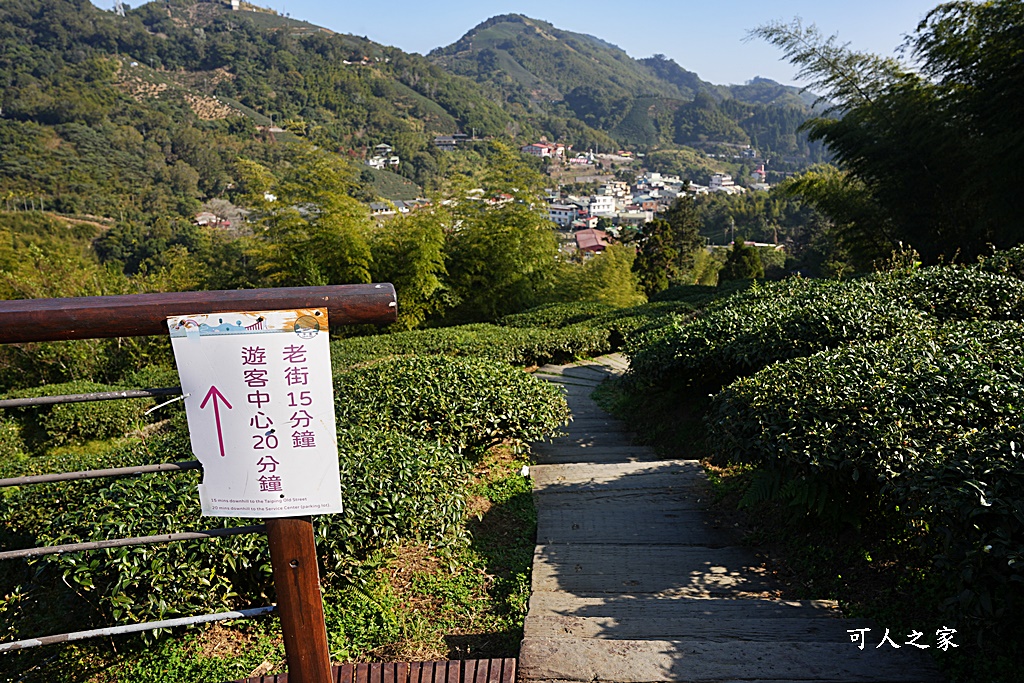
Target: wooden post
[[297, 580]]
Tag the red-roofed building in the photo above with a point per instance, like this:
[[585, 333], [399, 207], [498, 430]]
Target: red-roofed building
[[591, 240]]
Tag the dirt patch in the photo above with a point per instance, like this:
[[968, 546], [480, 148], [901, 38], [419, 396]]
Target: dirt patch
[[209, 108], [221, 641]]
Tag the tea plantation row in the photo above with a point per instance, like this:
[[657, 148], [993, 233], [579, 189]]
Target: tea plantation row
[[899, 394]]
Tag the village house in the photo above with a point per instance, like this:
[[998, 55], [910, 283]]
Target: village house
[[591, 241], [563, 214]]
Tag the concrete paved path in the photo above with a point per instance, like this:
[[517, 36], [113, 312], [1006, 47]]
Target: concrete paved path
[[632, 583]]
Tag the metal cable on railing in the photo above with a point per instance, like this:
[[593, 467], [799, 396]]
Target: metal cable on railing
[[290, 539]]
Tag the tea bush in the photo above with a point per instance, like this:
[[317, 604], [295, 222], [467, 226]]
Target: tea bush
[[1009, 262], [468, 404], [554, 316], [927, 423], [74, 423], [748, 331], [11, 445], [517, 346], [393, 487], [956, 293]]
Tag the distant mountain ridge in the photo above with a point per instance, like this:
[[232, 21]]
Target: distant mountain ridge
[[538, 67]]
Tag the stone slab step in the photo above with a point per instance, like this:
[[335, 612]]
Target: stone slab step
[[616, 476], [552, 604], [609, 502], [585, 457], [614, 360], [592, 371], [662, 569], [582, 451], [718, 629], [653, 661], [566, 381], [639, 522], [573, 439]]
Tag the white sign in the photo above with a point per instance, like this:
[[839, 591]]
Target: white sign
[[260, 407]]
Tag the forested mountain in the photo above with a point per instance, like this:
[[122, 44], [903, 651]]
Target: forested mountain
[[146, 114], [648, 102]]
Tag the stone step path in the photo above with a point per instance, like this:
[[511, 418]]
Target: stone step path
[[633, 583]]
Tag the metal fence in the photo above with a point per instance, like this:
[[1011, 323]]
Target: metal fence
[[292, 549]]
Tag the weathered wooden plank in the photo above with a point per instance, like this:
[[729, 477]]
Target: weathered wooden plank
[[494, 671], [508, 671], [415, 672], [441, 672], [388, 673], [482, 671], [650, 661], [454, 672], [133, 315], [345, 673], [401, 672], [362, 674]]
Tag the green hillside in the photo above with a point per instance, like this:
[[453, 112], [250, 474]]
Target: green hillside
[[538, 67]]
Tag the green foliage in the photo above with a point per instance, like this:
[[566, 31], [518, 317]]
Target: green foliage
[[924, 423], [667, 248], [313, 233], [75, 423], [522, 347], [956, 293], [552, 316], [11, 444], [408, 252], [918, 141], [466, 404], [606, 278], [748, 331], [743, 263]]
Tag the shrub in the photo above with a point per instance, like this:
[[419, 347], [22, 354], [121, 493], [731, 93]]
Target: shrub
[[554, 316], [1009, 262], [522, 347], [744, 333], [393, 487], [956, 293], [466, 404], [11, 445], [926, 423], [74, 423]]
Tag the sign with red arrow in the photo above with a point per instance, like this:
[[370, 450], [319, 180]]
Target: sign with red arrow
[[260, 406]]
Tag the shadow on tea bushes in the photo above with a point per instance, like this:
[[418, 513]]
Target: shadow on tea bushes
[[925, 425]]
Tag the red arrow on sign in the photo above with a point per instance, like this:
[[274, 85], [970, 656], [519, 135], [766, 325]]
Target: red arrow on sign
[[215, 394]]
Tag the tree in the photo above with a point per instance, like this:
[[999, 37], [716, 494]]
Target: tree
[[920, 144], [667, 248], [502, 251], [743, 263], [408, 252], [656, 257], [606, 278], [313, 233]]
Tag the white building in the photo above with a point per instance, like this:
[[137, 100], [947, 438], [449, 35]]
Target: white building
[[602, 205], [722, 182], [563, 214]]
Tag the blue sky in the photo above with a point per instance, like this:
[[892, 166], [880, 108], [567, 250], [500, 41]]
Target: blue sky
[[703, 36]]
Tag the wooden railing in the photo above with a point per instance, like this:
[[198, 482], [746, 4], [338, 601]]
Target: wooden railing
[[292, 548]]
